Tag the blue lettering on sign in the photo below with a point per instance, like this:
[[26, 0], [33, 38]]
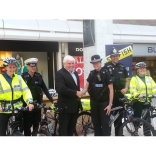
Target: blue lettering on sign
[[98, 85], [15, 86]]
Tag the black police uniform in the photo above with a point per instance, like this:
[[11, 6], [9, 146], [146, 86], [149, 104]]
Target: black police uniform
[[36, 86], [99, 100], [118, 74]]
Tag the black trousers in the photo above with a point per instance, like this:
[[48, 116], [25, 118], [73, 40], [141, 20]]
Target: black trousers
[[138, 107], [4, 118], [116, 103], [67, 123], [31, 119], [99, 118]]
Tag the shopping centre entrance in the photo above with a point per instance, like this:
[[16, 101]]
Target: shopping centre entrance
[[44, 51]]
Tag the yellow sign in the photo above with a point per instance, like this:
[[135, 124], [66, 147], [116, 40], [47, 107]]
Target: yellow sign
[[125, 52]]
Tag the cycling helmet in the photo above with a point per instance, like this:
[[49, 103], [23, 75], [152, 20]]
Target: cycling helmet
[[52, 92], [9, 60], [140, 64], [114, 52]]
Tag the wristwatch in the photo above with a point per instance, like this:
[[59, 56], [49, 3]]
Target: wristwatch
[[111, 104]]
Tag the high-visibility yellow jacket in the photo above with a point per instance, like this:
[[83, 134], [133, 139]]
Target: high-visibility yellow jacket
[[14, 91], [137, 86]]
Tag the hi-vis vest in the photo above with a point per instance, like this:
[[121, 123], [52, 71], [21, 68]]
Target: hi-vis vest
[[15, 91], [137, 86]]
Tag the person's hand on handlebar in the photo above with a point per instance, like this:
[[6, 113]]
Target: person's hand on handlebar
[[31, 107], [124, 90], [140, 96], [55, 101]]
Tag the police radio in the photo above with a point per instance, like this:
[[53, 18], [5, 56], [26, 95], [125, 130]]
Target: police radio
[[99, 77], [110, 71]]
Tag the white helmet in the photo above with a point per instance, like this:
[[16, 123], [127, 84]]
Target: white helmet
[[9, 60], [52, 92], [140, 65]]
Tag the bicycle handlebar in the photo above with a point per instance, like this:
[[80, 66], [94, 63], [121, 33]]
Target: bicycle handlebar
[[16, 109], [56, 109]]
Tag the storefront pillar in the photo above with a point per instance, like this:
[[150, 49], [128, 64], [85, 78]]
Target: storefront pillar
[[101, 33]]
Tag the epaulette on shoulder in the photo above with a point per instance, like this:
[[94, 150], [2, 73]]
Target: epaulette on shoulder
[[92, 71], [25, 74], [121, 65], [104, 70], [37, 74]]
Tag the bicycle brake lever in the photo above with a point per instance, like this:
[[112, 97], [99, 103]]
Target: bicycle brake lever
[[25, 109]]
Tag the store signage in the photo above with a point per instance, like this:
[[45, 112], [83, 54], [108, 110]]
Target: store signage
[[151, 50], [75, 49], [79, 49], [79, 67], [144, 50], [126, 52]]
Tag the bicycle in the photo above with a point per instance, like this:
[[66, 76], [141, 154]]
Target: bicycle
[[149, 113], [46, 128], [136, 126], [84, 125], [13, 127]]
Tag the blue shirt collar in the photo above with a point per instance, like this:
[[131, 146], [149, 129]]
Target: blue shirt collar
[[71, 72], [8, 75]]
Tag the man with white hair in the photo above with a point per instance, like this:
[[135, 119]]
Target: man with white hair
[[68, 89]]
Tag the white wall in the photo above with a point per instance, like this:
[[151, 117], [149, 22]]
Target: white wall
[[42, 65]]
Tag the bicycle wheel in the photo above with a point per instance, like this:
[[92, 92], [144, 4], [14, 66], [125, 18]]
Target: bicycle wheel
[[127, 126], [84, 125], [17, 133], [43, 133], [138, 127]]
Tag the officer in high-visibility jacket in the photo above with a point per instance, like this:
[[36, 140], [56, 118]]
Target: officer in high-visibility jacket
[[141, 85], [12, 87]]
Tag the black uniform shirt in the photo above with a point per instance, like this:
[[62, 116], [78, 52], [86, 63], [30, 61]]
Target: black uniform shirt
[[118, 73], [106, 76], [98, 93], [115, 69], [36, 86]]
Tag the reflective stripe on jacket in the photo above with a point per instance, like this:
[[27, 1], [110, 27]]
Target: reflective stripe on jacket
[[15, 91], [137, 86]]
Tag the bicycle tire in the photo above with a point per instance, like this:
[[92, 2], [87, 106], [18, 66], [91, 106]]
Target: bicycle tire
[[84, 125], [138, 127], [17, 133], [43, 133], [128, 129], [153, 121]]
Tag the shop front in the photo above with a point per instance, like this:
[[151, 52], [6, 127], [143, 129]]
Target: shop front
[[22, 50], [145, 53]]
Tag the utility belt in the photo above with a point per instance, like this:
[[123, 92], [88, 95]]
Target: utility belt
[[6, 104], [10, 102]]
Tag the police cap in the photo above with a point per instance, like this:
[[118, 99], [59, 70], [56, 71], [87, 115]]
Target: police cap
[[95, 58], [114, 52], [31, 62]]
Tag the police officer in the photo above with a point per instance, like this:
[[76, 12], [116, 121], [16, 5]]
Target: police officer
[[100, 87], [36, 85], [120, 82], [12, 87]]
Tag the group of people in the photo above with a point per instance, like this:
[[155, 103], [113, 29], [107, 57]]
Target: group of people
[[105, 86], [21, 90]]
